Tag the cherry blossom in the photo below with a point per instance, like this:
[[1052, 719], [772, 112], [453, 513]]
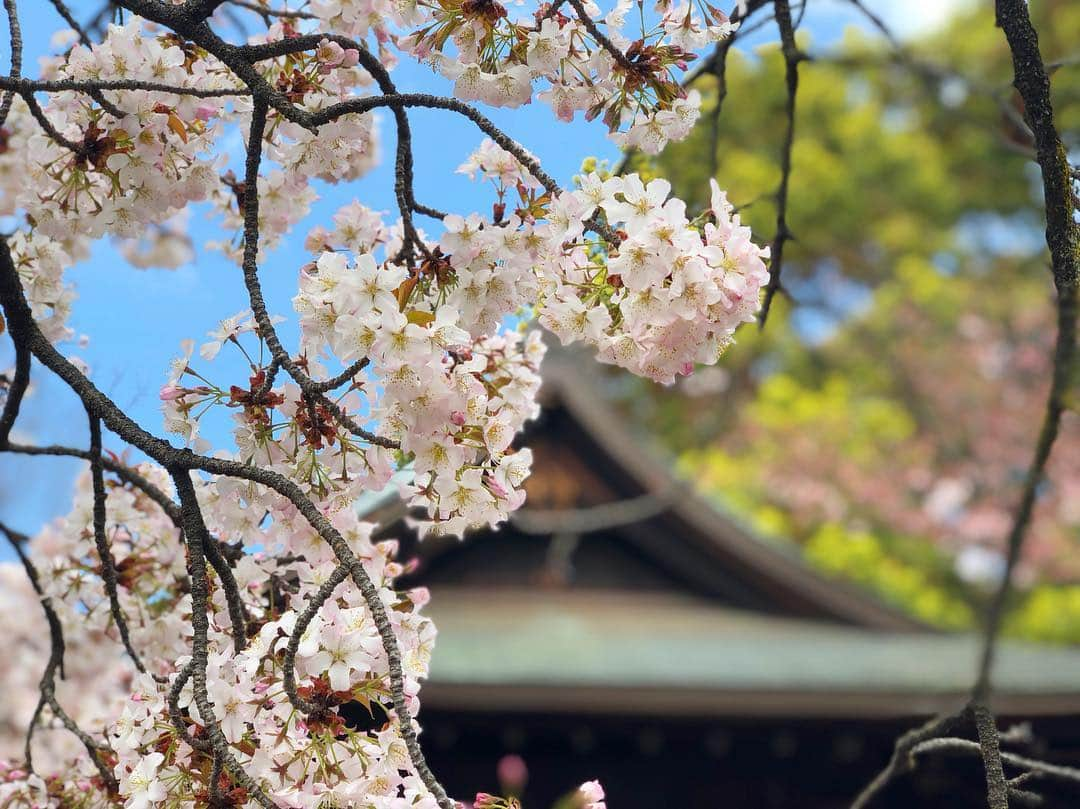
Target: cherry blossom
[[212, 643]]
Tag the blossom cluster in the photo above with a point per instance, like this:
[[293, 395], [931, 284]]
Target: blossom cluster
[[629, 78], [141, 157], [40, 262], [332, 754], [415, 366], [670, 295], [453, 398], [130, 164], [341, 150], [665, 294]]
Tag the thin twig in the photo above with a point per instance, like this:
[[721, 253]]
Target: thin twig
[[175, 460], [266, 11], [101, 541], [15, 40], [1034, 767], [23, 86], [69, 18], [1063, 240], [47, 685], [315, 603], [792, 57], [195, 531], [901, 760]]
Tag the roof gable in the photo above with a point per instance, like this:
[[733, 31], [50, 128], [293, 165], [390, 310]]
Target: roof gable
[[605, 514]]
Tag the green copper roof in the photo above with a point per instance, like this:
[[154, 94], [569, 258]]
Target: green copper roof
[[534, 641]]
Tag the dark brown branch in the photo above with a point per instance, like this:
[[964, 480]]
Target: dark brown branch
[[1063, 241], [997, 791], [47, 126], [601, 38], [176, 716], [483, 123], [218, 553], [347, 375], [1034, 768], [902, 760], [47, 686], [254, 289], [427, 210], [16, 389], [315, 603], [15, 41], [125, 473], [69, 18], [23, 86], [101, 541], [792, 57], [175, 459], [267, 12], [201, 9], [195, 531], [241, 59], [18, 539], [129, 476], [312, 120], [1033, 84]]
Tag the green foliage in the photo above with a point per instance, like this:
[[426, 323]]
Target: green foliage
[[919, 585], [1048, 614], [919, 266]]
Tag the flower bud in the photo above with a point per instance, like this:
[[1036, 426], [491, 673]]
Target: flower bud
[[171, 392], [512, 773]]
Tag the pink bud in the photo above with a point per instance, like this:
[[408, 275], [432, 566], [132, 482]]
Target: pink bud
[[419, 595], [512, 773], [352, 57], [494, 486], [171, 392], [204, 112], [458, 418]]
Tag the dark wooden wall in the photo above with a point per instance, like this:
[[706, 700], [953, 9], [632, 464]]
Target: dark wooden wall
[[699, 764]]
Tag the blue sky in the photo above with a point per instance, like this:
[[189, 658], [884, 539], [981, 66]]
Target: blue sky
[[135, 320]]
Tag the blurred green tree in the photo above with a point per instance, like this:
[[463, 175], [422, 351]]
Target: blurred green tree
[[917, 223]]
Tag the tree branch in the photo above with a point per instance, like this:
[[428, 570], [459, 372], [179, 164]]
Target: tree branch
[[1033, 84], [15, 40], [792, 57], [105, 557]]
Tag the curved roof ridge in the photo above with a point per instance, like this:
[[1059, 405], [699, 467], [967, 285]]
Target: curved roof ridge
[[768, 562]]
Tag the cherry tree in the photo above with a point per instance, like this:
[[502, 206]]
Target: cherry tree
[[211, 609]]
